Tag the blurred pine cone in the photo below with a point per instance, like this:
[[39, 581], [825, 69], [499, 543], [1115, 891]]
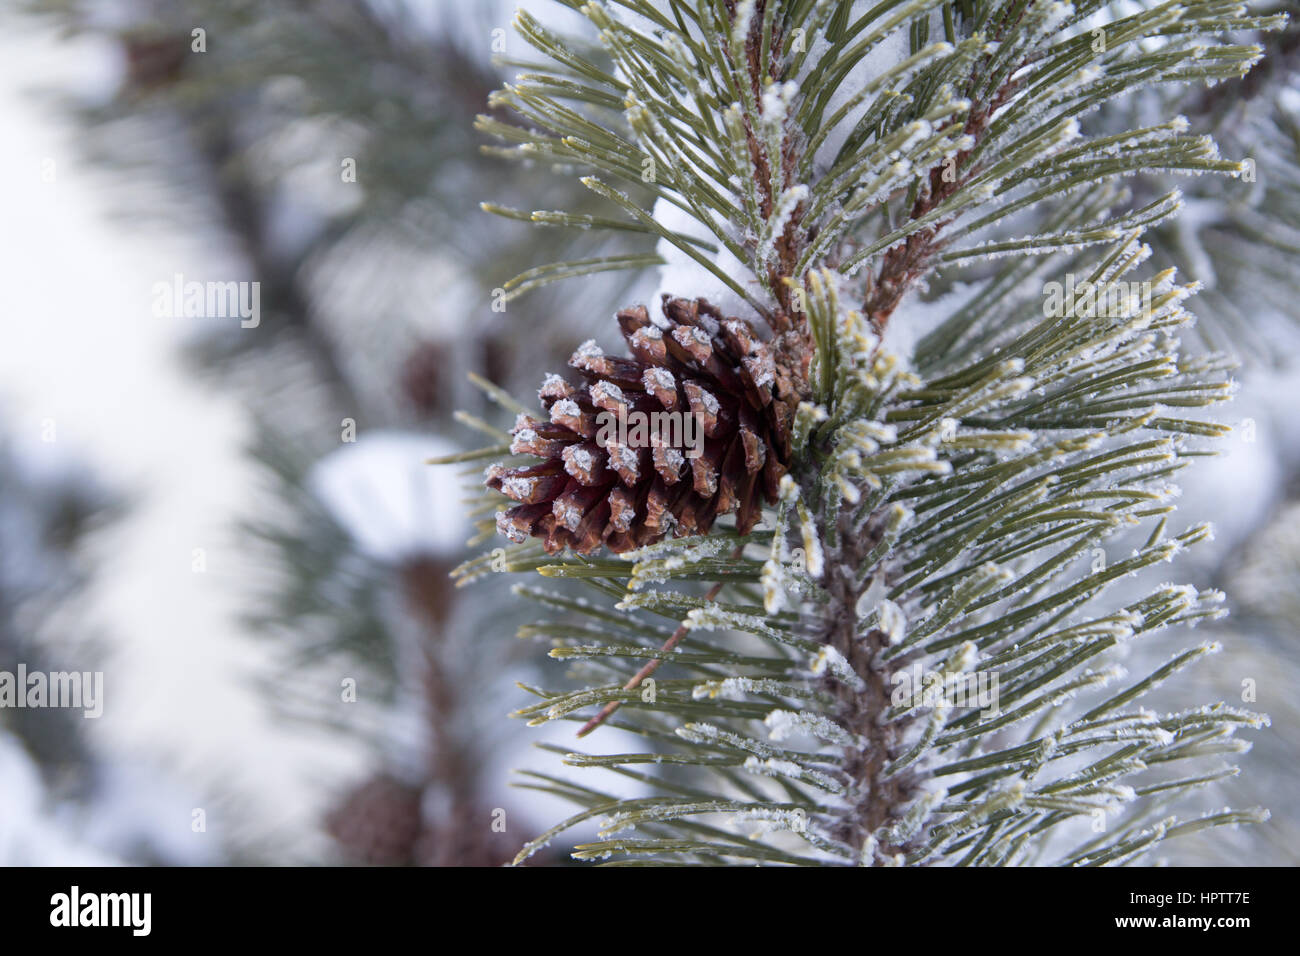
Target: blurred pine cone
[[422, 376], [379, 822], [626, 492], [153, 60]]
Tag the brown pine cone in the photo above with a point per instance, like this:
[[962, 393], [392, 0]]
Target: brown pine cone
[[379, 822], [422, 376], [152, 60], [625, 490]]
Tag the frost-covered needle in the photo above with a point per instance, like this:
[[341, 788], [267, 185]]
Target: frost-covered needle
[[650, 666]]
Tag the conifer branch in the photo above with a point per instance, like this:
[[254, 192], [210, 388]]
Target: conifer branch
[[938, 512], [651, 665]]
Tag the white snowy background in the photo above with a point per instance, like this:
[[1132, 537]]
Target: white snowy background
[[84, 361], [82, 350]]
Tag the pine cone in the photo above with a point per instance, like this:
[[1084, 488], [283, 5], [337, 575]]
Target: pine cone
[[154, 61], [379, 822], [422, 376], [629, 490]]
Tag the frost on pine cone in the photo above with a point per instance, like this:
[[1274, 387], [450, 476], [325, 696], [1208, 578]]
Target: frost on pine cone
[[628, 489]]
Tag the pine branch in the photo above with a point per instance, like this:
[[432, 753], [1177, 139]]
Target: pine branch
[[652, 665], [944, 514]]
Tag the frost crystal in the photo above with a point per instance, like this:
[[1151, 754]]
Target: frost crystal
[[891, 619], [829, 660], [783, 724], [507, 529], [659, 377], [579, 457], [565, 408], [621, 456], [607, 391]]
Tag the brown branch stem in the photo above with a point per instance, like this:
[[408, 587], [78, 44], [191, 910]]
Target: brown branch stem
[[653, 665], [906, 262]]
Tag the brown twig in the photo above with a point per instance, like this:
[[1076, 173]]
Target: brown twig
[[906, 262], [653, 665], [789, 245]]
